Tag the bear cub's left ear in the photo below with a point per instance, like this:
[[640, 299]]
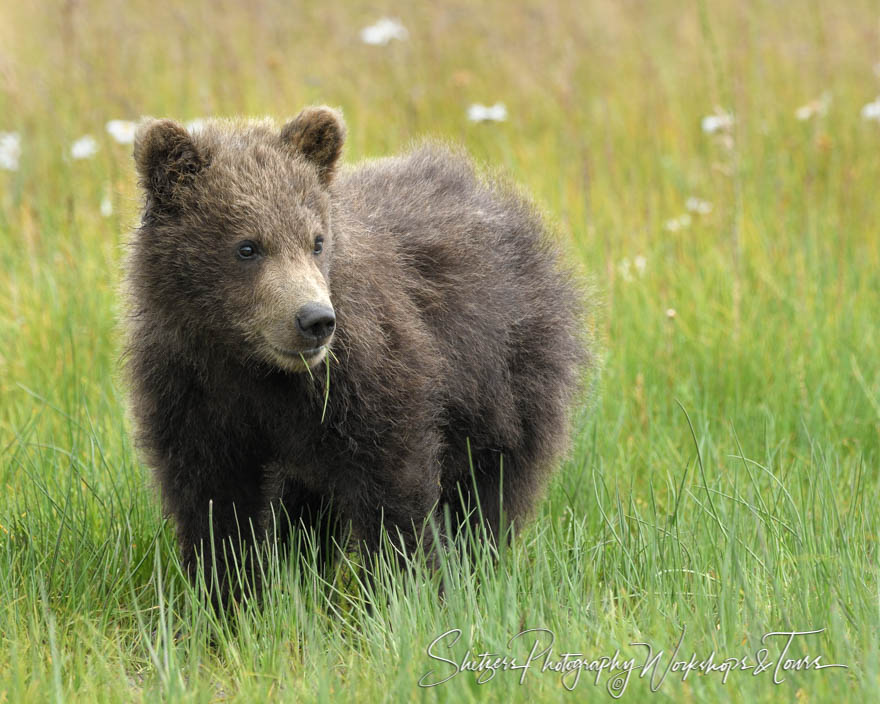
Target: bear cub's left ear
[[166, 158], [317, 133]]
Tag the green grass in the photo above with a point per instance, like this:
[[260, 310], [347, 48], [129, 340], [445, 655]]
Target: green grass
[[724, 475]]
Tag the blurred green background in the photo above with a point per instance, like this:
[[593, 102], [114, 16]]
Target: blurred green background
[[712, 169]]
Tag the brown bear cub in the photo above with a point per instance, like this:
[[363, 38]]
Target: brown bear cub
[[365, 345]]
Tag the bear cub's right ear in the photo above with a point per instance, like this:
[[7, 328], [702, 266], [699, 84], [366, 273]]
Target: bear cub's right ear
[[318, 134], [166, 158]]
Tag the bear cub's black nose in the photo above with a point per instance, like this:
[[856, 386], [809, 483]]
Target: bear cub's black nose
[[316, 320]]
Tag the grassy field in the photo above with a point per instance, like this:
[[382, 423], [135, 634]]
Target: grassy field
[[724, 477]]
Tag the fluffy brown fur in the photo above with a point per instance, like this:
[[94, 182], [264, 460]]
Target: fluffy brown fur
[[456, 345]]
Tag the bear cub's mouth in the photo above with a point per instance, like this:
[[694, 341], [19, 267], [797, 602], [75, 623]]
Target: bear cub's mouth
[[296, 354]]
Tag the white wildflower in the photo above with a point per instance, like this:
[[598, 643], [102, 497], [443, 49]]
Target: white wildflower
[[487, 113], [10, 150], [640, 264], [84, 148], [719, 122], [698, 205], [627, 267], [670, 313], [106, 204], [384, 31], [680, 223], [819, 107], [121, 130], [871, 111], [196, 125], [804, 112]]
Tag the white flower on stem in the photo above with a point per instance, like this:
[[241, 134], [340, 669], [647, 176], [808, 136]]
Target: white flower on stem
[[196, 125], [871, 111], [640, 264], [487, 113], [121, 130], [107, 203], [698, 205], [719, 122], [817, 107], [680, 223], [670, 313], [84, 148], [383, 31], [10, 150], [625, 269]]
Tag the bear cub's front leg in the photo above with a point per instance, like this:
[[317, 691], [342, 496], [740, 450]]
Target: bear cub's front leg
[[218, 531]]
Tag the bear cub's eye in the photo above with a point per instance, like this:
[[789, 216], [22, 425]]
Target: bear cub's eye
[[247, 250], [319, 244]]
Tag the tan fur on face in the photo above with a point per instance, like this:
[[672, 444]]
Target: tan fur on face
[[283, 288]]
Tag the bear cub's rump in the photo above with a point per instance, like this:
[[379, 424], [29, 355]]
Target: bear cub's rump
[[451, 332]]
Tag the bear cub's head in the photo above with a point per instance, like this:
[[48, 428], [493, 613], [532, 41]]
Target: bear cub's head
[[235, 246]]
